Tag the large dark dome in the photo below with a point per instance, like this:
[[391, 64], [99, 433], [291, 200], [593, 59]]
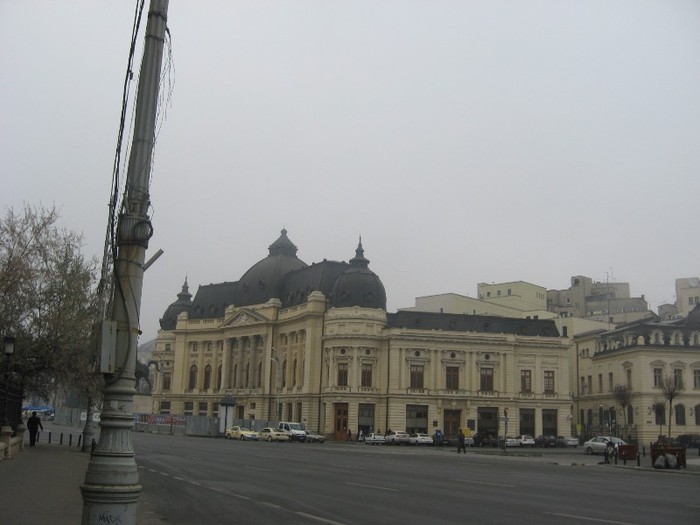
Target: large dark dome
[[358, 285], [264, 279], [183, 304]]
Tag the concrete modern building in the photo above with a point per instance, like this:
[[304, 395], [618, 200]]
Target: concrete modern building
[[608, 302], [638, 358], [687, 294], [315, 344]]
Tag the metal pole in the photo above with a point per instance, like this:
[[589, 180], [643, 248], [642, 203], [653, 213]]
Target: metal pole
[[111, 489]]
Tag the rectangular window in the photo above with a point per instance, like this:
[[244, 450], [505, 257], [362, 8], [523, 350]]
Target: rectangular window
[[486, 380], [452, 378], [165, 407], [657, 377], [342, 374], [678, 377], [680, 414], [167, 377], [215, 409], [203, 405], [416, 376], [416, 418], [696, 378], [167, 347], [629, 379], [610, 381], [526, 381], [549, 381], [590, 384], [583, 385], [366, 375], [600, 383], [189, 408]]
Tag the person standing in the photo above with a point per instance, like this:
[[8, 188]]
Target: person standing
[[33, 425], [460, 442]]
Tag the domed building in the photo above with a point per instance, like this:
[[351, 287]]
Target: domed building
[[314, 343]]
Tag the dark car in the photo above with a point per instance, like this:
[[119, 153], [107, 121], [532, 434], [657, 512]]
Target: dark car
[[689, 440], [546, 441]]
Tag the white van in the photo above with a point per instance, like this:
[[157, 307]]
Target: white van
[[295, 430]]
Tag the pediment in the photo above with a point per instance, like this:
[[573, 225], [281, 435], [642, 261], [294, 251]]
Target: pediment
[[244, 317]]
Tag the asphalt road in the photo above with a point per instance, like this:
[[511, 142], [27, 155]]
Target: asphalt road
[[198, 480]]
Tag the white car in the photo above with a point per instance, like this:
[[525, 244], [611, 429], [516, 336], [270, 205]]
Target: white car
[[598, 444], [374, 439], [420, 439], [526, 440], [512, 442], [397, 437]]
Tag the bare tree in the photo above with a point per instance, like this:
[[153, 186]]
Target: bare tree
[[622, 395], [47, 290], [671, 389]]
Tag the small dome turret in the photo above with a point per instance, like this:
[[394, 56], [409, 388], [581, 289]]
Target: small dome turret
[[358, 285]]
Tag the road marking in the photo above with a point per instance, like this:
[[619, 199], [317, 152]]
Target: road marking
[[267, 504], [484, 483], [588, 518], [319, 518], [257, 468], [370, 486]]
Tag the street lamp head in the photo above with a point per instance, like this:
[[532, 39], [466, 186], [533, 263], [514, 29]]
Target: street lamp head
[[9, 345]]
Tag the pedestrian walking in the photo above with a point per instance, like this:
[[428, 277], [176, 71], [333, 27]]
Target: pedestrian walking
[[360, 436], [349, 435], [460, 442], [33, 425]]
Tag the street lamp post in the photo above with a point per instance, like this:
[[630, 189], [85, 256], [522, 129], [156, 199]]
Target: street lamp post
[[277, 385], [9, 349]]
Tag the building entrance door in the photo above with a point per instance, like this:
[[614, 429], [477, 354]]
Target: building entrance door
[[341, 421], [452, 419]]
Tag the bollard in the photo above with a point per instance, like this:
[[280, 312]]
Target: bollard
[[80, 438], [638, 463], [49, 438], [60, 441], [644, 451], [70, 440]]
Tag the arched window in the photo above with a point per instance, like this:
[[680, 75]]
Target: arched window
[[284, 373], [259, 374], [218, 377], [207, 377], [247, 374], [235, 376], [294, 372], [193, 377]]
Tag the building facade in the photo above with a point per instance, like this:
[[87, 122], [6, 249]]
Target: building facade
[[636, 359], [315, 344]]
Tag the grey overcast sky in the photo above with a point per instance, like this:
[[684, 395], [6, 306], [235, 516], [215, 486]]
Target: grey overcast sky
[[465, 141]]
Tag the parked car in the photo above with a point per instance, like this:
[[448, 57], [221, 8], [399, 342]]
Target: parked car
[[396, 437], [526, 440], [567, 441], [546, 441], [512, 442], [241, 433], [374, 439], [689, 440], [598, 444], [313, 437], [420, 439], [273, 434]]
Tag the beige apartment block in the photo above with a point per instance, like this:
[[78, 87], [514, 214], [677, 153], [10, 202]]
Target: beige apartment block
[[687, 294]]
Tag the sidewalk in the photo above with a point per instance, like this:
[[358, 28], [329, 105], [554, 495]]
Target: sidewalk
[[42, 484]]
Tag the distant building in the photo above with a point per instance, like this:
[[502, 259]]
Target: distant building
[[606, 302], [687, 294]]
